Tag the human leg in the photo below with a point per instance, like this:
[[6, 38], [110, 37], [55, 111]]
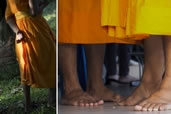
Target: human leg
[[153, 71], [95, 59], [161, 100], [74, 95]]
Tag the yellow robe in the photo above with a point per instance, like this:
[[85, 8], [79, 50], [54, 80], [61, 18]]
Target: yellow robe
[[37, 53], [136, 19], [80, 23]]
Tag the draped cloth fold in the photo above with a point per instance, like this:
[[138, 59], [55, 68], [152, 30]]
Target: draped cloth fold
[[136, 19], [36, 54]]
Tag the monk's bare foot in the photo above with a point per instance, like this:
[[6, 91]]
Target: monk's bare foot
[[153, 71], [79, 98], [143, 91], [158, 101], [104, 93]]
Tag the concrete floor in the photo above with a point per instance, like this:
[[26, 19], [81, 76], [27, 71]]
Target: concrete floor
[[109, 108]]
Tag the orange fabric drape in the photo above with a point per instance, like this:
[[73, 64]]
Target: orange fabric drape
[[37, 53], [80, 23]]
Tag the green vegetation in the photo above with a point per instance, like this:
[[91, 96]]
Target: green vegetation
[[11, 92], [50, 14]]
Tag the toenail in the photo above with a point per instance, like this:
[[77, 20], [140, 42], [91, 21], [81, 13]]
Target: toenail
[[150, 109], [137, 107], [87, 104], [95, 104], [161, 108], [101, 102], [81, 104], [75, 104], [144, 109], [155, 109], [91, 104]]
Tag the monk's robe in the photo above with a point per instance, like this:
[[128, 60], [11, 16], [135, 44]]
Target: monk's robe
[[136, 19], [80, 23], [36, 55]]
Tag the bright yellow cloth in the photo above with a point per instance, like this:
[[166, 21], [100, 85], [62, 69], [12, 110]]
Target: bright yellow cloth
[[80, 23], [136, 19], [37, 53], [152, 17]]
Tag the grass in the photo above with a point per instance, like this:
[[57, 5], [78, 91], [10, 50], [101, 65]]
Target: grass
[[11, 92]]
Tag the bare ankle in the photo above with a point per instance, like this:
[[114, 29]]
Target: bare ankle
[[149, 78], [72, 90]]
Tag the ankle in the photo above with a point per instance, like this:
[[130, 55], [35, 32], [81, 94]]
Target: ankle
[[150, 79], [70, 90], [95, 87], [71, 86], [151, 86]]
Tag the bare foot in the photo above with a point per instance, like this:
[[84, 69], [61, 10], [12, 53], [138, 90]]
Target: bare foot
[[141, 92], [153, 71], [79, 98], [160, 100], [104, 93]]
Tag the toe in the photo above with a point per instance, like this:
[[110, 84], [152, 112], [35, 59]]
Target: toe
[[75, 103], [150, 108], [81, 103], [91, 104], [139, 107], [146, 106], [165, 107], [87, 104], [156, 107], [100, 102], [96, 104], [97, 100], [162, 107]]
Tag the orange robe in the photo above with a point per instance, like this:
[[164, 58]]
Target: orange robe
[[80, 23], [37, 53], [136, 19]]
